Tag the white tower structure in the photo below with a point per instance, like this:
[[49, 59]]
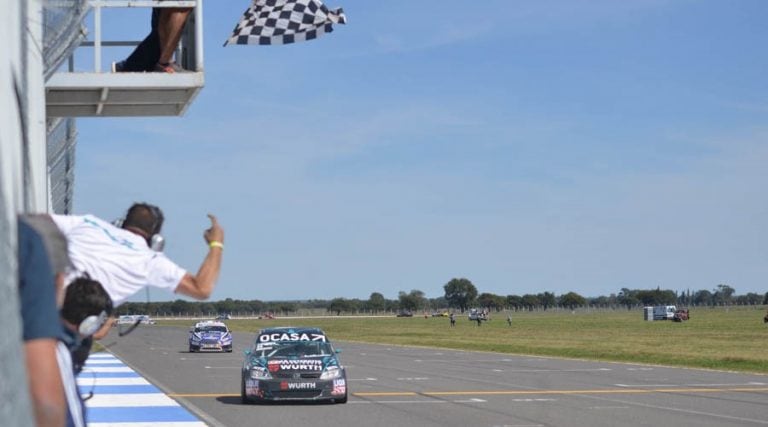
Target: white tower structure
[[39, 99]]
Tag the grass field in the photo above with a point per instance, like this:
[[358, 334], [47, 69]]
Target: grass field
[[728, 339]]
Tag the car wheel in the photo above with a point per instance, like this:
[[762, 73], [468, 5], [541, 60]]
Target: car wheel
[[243, 398], [342, 400], [191, 349]]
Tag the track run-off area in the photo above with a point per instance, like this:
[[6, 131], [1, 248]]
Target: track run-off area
[[415, 386]]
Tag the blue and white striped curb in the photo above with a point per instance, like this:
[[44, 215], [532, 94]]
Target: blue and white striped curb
[[122, 398]]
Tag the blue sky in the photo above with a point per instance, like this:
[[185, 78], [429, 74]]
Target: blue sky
[[529, 146]]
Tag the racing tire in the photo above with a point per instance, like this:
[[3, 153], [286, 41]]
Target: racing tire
[[243, 398], [342, 400], [191, 350]]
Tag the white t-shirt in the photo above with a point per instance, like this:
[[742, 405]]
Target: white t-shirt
[[119, 259]]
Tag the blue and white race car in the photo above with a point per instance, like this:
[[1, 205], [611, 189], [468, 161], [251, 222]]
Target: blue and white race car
[[293, 364], [210, 335]]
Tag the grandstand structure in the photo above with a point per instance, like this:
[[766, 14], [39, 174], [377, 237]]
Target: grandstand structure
[[44, 87]]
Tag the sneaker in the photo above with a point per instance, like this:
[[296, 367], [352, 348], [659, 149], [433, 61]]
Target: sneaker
[[118, 67], [169, 68]]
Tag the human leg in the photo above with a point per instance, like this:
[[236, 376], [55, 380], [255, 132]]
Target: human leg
[[170, 24], [147, 53]]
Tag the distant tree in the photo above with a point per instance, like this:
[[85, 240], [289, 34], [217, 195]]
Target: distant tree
[[438, 303], [656, 297], [765, 299], [411, 301], [572, 300], [392, 305], [226, 306], [376, 302], [723, 294], [547, 299], [530, 301], [685, 298], [601, 301], [514, 301], [181, 307], [750, 298], [703, 297], [460, 293], [627, 298], [499, 302], [255, 306], [491, 301], [282, 306], [339, 305]]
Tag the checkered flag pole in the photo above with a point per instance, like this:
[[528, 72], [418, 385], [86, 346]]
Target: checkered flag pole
[[268, 22]]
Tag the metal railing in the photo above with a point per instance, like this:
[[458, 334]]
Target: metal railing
[[190, 51]]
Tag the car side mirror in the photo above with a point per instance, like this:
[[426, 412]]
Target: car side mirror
[[338, 350], [247, 352]]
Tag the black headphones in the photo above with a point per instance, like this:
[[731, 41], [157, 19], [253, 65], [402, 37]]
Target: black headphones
[[155, 241]]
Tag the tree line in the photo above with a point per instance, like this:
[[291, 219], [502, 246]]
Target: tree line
[[460, 294]]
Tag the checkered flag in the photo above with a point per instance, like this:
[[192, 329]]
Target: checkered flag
[[269, 22]]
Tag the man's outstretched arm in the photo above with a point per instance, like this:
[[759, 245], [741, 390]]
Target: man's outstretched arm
[[201, 285]]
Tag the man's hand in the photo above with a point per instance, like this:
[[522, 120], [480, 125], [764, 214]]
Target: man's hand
[[215, 233], [201, 286]]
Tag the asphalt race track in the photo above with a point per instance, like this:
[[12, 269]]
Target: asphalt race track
[[407, 386]]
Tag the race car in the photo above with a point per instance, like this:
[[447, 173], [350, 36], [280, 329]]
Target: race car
[[210, 335], [292, 363]]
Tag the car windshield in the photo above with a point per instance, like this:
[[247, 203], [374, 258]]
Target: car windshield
[[211, 329], [293, 349]]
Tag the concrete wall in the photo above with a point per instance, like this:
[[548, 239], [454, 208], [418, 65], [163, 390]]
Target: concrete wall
[[15, 196]]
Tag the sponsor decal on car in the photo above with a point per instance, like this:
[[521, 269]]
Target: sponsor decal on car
[[252, 388], [295, 365], [339, 386], [291, 337], [302, 386]]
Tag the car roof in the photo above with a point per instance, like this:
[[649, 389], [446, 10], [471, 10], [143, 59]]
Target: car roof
[[291, 330], [291, 334], [210, 323]]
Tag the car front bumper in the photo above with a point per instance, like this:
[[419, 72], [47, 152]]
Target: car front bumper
[[295, 389]]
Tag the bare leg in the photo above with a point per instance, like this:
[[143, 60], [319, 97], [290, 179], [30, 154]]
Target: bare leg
[[169, 28]]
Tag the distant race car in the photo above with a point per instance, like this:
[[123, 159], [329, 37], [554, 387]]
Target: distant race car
[[290, 363], [210, 335]]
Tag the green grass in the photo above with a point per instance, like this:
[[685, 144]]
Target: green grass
[[732, 339]]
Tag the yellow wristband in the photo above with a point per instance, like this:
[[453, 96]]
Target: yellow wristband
[[215, 244]]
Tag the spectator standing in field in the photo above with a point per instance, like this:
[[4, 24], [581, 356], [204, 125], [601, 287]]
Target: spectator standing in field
[[453, 319], [509, 319]]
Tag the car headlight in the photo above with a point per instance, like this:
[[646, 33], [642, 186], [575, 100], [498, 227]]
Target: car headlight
[[331, 373], [259, 373]]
